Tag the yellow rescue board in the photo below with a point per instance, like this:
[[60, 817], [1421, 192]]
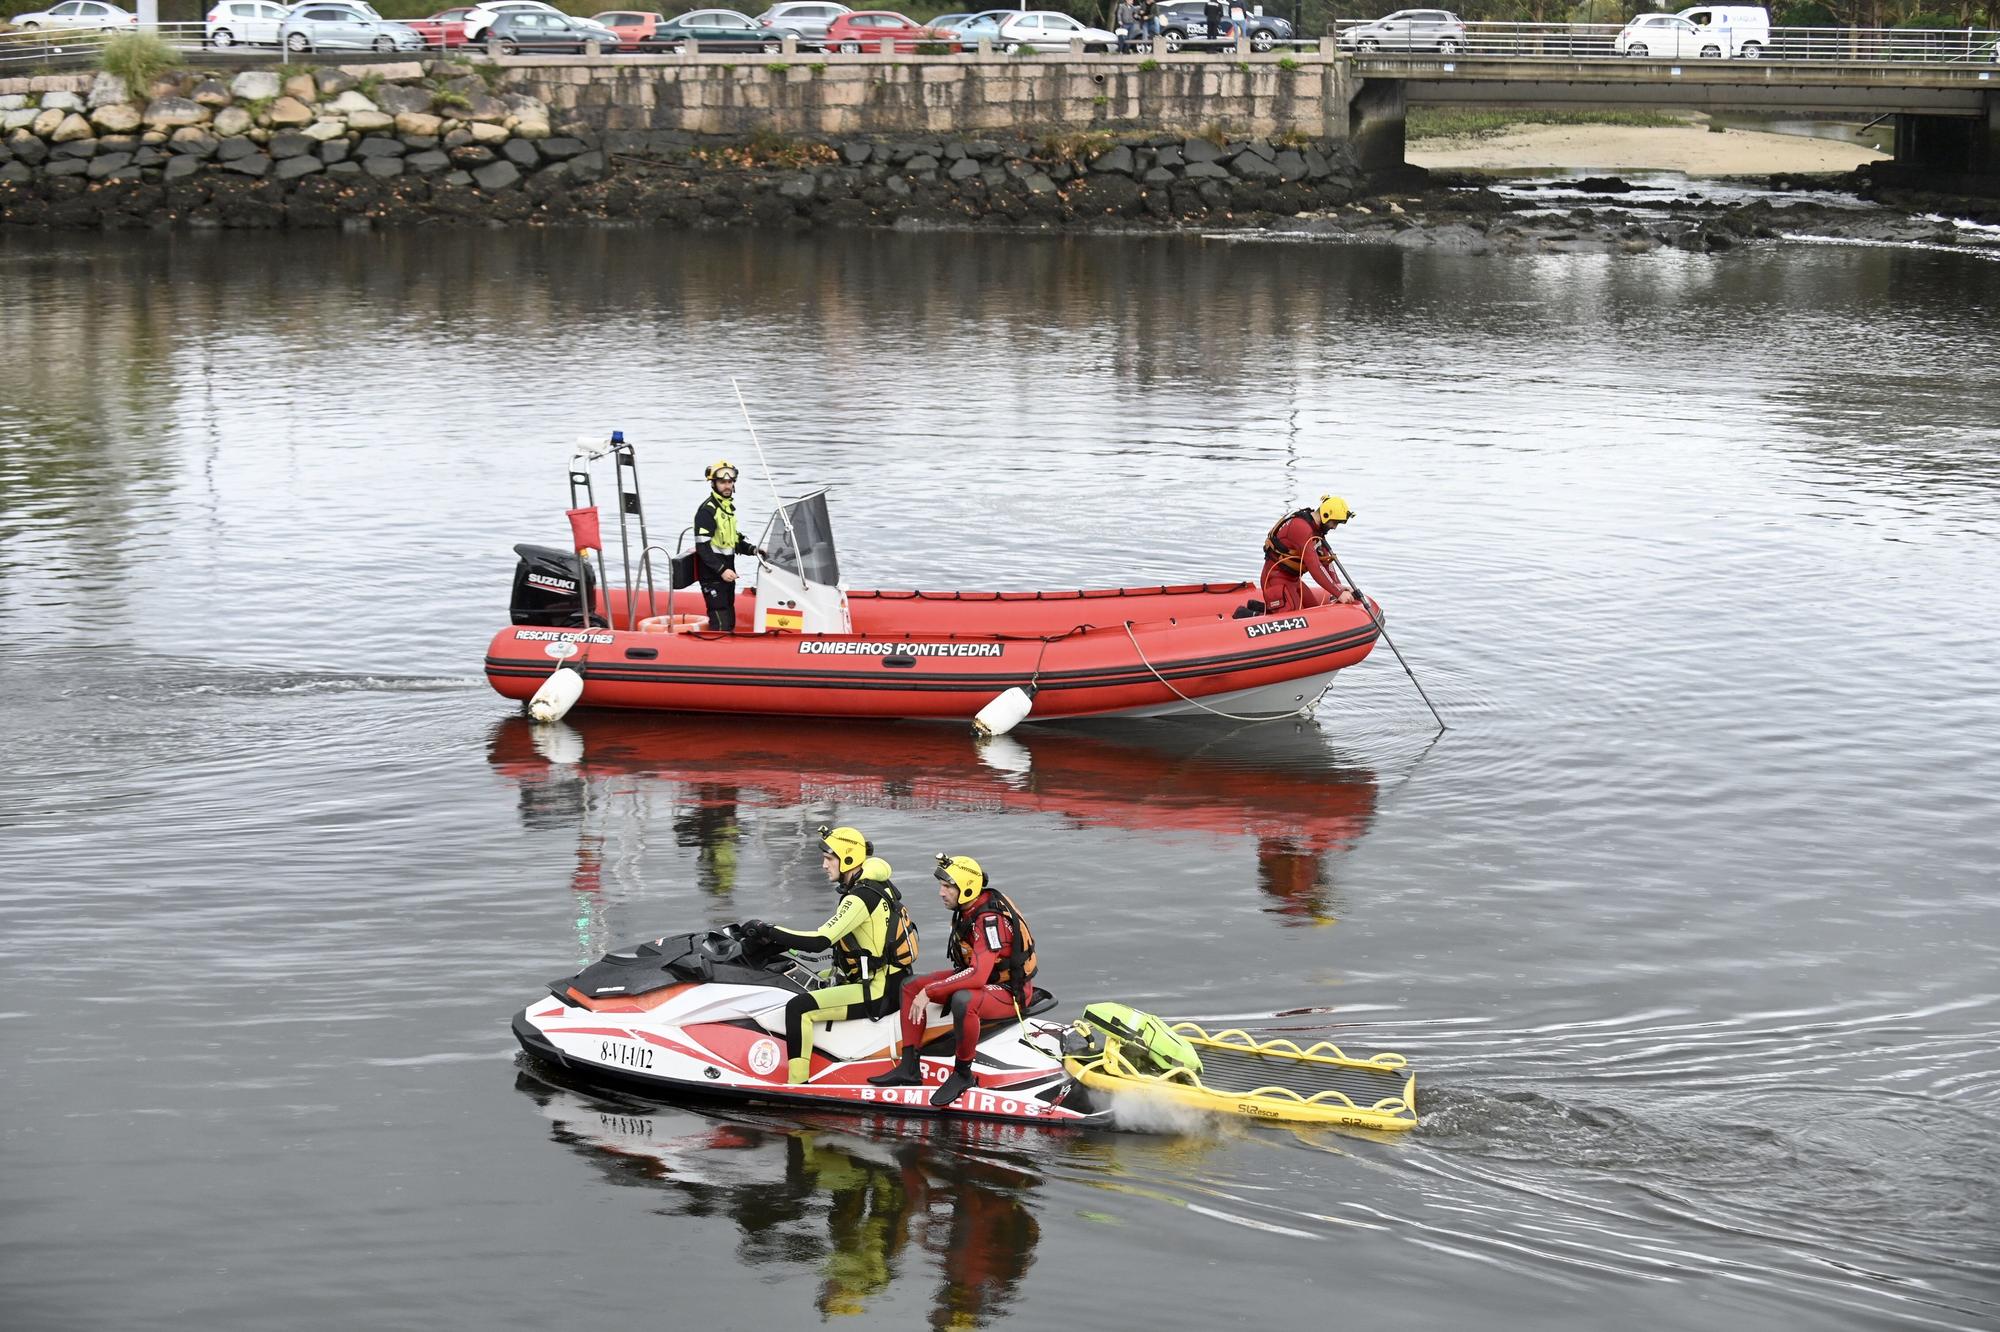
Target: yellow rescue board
[[1275, 1080]]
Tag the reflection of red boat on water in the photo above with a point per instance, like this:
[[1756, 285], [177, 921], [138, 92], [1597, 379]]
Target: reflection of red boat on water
[[808, 646], [1278, 785]]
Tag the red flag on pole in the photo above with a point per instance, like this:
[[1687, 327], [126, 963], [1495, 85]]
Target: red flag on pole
[[583, 524]]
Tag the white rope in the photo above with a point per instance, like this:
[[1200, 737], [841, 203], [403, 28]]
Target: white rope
[[769, 481], [1300, 711]]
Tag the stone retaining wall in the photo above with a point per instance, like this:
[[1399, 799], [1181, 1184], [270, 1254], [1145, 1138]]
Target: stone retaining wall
[[393, 144]]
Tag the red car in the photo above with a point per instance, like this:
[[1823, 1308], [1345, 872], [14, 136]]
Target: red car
[[444, 28], [865, 30], [632, 25]]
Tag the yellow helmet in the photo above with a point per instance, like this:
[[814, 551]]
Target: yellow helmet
[[724, 470], [846, 845], [1333, 509], [962, 873]]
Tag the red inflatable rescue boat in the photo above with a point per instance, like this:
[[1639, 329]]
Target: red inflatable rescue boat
[[808, 646]]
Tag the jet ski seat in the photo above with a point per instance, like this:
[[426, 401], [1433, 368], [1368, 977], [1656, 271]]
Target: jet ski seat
[[1041, 1001], [864, 1038]]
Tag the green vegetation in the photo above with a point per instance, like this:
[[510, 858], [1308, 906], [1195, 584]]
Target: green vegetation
[[1287, 64], [1426, 122], [1077, 147], [447, 100], [138, 58], [817, 67], [777, 67], [1148, 65]]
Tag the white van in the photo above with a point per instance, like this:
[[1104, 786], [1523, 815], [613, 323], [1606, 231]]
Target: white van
[[1740, 31]]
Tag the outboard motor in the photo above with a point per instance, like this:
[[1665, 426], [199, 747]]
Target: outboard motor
[[552, 588]]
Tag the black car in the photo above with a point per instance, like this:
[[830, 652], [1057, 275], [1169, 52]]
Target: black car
[[718, 30], [537, 30], [1185, 23]]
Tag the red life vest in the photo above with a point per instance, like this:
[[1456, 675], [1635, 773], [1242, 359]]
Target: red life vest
[[1016, 970], [1291, 561]]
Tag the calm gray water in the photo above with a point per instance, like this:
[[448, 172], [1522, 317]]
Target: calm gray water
[[1690, 922]]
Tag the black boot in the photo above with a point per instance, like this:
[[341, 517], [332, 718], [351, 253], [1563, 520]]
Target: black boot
[[958, 1084], [904, 1074]]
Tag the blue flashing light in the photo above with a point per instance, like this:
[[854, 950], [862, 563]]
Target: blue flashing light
[[617, 437]]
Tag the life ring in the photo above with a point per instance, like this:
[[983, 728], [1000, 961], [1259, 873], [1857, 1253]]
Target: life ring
[[673, 624]]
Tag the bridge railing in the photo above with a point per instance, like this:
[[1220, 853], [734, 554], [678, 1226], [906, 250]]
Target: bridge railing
[[1600, 41]]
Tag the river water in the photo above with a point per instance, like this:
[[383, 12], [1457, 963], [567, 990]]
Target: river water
[[1690, 923]]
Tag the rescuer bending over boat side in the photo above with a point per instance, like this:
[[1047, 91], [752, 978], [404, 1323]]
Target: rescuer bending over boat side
[[1297, 546], [717, 543], [871, 938], [994, 952]]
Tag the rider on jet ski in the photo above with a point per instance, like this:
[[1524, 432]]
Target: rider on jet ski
[[874, 945], [994, 952]]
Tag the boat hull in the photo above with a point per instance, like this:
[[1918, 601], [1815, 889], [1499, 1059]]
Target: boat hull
[[1144, 652]]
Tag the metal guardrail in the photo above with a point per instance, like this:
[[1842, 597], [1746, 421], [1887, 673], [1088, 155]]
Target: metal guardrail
[[1600, 41], [70, 49]]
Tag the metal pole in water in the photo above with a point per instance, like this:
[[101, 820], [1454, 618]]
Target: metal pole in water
[[1383, 629]]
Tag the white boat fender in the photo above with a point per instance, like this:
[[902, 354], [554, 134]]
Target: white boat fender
[[1007, 710], [557, 695]]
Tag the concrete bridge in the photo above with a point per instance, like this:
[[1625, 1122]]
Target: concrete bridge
[[1947, 113]]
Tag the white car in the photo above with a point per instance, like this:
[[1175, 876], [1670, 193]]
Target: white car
[[244, 23], [1666, 37], [480, 17], [76, 14], [1047, 30]]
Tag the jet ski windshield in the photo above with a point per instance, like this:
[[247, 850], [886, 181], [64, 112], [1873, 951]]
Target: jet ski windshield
[[700, 957]]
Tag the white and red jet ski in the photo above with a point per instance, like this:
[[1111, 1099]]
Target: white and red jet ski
[[703, 1015]]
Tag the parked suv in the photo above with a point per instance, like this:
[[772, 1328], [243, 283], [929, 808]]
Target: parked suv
[[1185, 23], [244, 23], [809, 18], [1408, 30]]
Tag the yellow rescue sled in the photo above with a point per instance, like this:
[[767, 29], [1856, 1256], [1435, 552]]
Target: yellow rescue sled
[[1114, 1048]]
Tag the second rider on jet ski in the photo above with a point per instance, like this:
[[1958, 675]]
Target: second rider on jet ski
[[994, 952], [874, 945]]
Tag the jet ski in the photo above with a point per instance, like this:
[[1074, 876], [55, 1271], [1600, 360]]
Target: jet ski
[[702, 1016]]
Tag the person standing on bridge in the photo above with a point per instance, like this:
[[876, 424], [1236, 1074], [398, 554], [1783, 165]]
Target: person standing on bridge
[[1296, 547]]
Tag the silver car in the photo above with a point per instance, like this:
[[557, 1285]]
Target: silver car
[[76, 14], [809, 18], [344, 27], [1408, 30]]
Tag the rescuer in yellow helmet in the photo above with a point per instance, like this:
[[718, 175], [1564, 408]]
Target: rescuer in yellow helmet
[[873, 943], [1297, 546], [717, 543], [993, 952]]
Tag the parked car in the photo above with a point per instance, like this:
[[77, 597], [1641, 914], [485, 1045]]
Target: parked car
[[718, 30], [1664, 37], [807, 17], [346, 26], [1047, 30], [480, 17], [632, 25], [982, 24], [1408, 30], [75, 14], [532, 31], [1184, 22], [949, 20], [867, 29], [244, 23], [445, 28]]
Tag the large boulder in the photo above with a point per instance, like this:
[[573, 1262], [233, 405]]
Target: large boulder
[[210, 93], [334, 82], [379, 146], [180, 168], [193, 142], [107, 90], [489, 135], [232, 120], [73, 127], [351, 101], [254, 85], [395, 99], [497, 176], [419, 123], [288, 112], [324, 131], [46, 122], [368, 122], [289, 144], [19, 118], [1199, 150], [521, 153], [531, 128], [166, 113], [118, 118], [483, 106], [294, 167], [1119, 159], [62, 101], [303, 87]]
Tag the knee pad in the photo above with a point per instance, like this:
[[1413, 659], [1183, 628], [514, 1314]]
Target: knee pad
[[961, 1004]]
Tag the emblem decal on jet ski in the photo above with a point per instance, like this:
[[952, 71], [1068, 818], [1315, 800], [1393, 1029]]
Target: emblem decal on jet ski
[[1285, 625], [764, 1057]]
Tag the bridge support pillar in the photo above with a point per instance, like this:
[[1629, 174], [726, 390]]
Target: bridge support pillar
[[1951, 153], [1375, 117]]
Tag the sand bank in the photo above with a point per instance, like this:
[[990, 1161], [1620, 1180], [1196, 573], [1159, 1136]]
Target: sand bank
[[1691, 149]]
